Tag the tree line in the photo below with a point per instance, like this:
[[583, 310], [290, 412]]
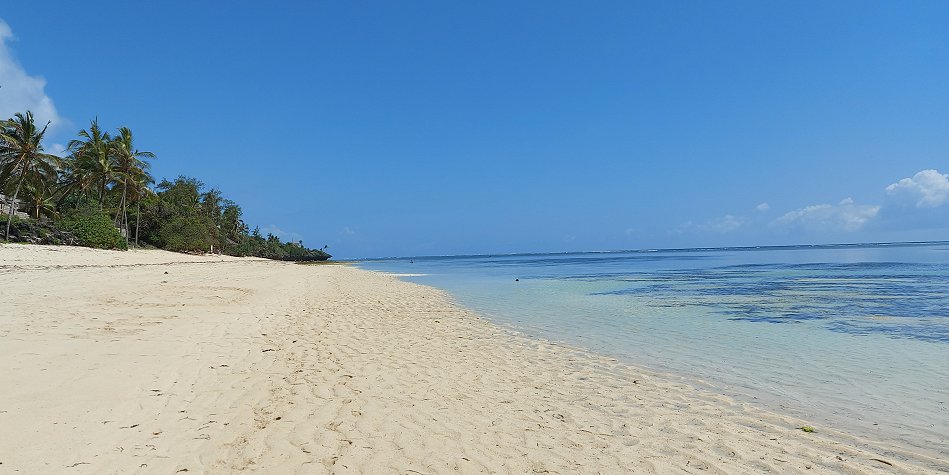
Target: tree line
[[101, 194]]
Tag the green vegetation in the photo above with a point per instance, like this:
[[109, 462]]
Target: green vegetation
[[22, 161], [38, 232], [101, 195], [271, 248], [93, 228]]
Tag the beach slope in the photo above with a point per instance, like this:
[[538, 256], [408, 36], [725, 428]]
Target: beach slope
[[154, 362]]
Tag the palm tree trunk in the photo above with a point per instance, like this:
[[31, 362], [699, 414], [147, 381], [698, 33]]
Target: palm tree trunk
[[138, 217], [118, 212], [125, 216], [39, 204], [6, 236], [125, 226]]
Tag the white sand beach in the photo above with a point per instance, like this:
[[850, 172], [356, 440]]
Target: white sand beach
[[155, 362]]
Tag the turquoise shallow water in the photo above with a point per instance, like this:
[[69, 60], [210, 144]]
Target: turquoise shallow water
[[851, 337]]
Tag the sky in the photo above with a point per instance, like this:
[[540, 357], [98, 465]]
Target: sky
[[385, 128]]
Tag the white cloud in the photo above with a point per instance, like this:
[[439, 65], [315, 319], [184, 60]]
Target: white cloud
[[725, 224], [57, 149], [845, 216], [280, 233], [20, 91], [926, 189], [914, 203], [918, 202], [347, 231]]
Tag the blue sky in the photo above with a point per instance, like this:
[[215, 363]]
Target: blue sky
[[412, 128]]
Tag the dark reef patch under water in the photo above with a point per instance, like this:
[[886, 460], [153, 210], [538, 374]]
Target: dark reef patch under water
[[900, 300]]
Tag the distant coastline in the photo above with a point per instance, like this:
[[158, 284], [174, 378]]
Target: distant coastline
[[101, 194]]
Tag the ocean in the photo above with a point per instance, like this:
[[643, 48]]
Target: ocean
[[853, 337]]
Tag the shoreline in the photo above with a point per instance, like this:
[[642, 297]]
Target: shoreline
[[260, 365], [769, 405], [747, 397]]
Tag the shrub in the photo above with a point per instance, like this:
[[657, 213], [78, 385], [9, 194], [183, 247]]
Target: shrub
[[187, 234], [93, 228]]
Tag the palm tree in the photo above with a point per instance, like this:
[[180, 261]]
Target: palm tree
[[91, 165], [141, 190], [40, 189], [232, 227], [129, 168], [22, 157], [74, 180]]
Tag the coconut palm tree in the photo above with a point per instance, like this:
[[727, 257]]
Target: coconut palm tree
[[90, 162], [232, 227], [74, 180], [22, 157], [40, 188], [129, 168], [139, 191]]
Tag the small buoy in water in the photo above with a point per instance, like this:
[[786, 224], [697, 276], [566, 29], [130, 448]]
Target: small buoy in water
[[517, 280]]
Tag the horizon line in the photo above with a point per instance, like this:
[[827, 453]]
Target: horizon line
[[673, 249]]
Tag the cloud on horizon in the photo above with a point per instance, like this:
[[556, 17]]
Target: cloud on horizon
[[19, 91], [917, 202], [723, 225], [914, 203], [844, 216], [910, 203], [926, 189]]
